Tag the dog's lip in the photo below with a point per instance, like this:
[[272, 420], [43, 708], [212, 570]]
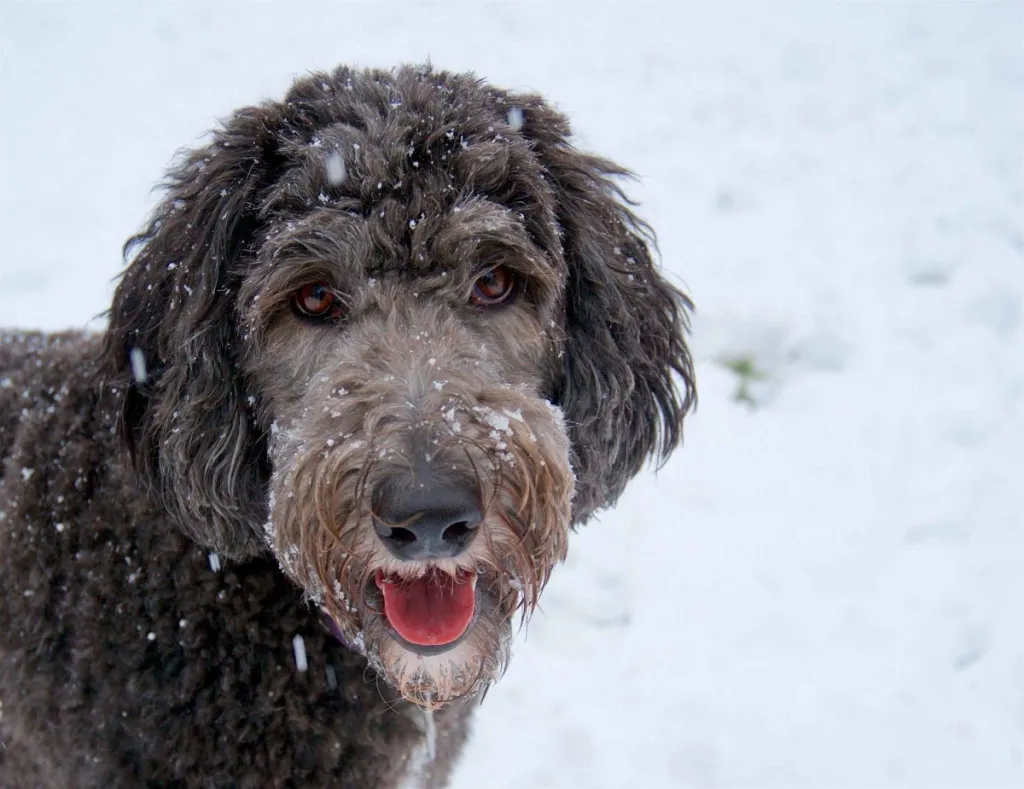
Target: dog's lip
[[373, 597], [380, 578]]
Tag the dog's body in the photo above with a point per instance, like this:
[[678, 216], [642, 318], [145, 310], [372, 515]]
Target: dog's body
[[273, 527], [126, 661]]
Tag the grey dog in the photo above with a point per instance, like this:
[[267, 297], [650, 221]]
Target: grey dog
[[380, 348]]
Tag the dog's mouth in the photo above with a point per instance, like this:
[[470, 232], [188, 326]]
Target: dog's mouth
[[429, 614]]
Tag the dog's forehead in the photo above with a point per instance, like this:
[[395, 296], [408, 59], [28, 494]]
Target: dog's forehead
[[409, 171], [361, 154]]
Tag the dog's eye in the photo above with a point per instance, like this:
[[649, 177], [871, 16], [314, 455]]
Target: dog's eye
[[494, 287], [317, 300]]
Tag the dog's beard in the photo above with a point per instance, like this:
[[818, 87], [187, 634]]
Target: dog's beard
[[357, 611], [432, 675], [321, 530]]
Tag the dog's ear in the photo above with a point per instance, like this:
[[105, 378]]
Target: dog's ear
[[171, 346], [627, 379]]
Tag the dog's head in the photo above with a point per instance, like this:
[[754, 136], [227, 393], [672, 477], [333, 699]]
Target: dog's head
[[398, 329]]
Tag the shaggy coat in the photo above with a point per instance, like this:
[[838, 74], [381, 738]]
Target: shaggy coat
[[387, 293]]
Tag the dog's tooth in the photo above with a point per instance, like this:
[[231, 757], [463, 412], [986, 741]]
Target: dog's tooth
[[472, 580]]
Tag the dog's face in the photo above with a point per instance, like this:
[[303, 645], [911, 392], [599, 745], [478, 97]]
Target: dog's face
[[405, 336], [420, 480]]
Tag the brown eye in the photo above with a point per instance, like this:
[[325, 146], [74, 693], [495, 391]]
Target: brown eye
[[493, 287], [317, 300]]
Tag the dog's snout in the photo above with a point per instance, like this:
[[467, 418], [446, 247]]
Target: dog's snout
[[425, 517]]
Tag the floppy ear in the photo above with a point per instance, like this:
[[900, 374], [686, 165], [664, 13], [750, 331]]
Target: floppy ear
[[627, 379], [169, 346]]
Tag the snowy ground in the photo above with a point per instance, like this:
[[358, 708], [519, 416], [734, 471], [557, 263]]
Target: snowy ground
[[826, 587]]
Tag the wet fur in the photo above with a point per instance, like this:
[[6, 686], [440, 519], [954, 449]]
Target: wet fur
[[125, 660]]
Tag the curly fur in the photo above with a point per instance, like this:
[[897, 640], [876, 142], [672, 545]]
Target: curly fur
[[259, 442]]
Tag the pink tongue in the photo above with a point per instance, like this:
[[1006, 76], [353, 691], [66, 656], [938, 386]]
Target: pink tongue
[[431, 611]]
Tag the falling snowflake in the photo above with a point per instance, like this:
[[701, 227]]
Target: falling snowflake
[[138, 361], [299, 645], [335, 169]]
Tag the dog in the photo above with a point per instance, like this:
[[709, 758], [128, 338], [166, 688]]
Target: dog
[[383, 345]]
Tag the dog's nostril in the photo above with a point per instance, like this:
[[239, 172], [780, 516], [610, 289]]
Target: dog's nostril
[[401, 536], [457, 532]]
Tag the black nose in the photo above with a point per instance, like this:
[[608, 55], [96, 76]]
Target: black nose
[[422, 517]]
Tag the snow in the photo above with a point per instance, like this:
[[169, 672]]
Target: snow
[[826, 586], [515, 118], [138, 363], [501, 423], [431, 734], [420, 762], [299, 647], [335, 169]]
